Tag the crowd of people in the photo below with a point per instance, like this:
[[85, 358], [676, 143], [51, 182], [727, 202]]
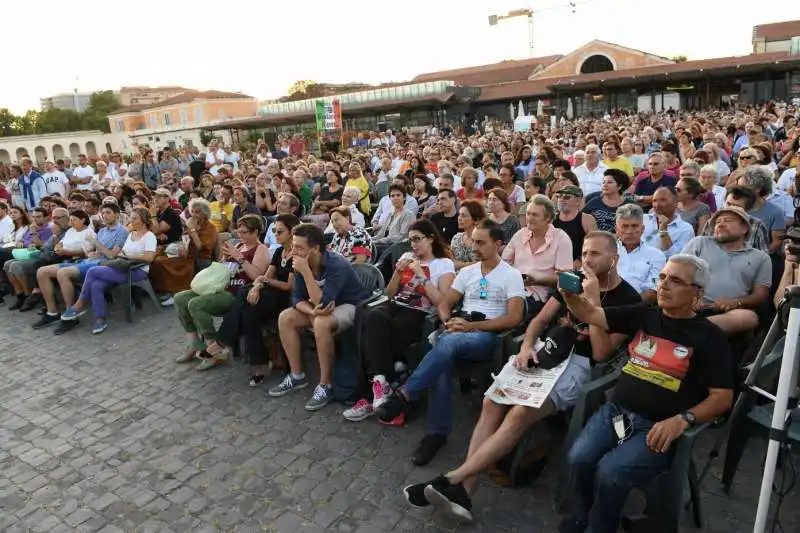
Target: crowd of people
[[643, 207]]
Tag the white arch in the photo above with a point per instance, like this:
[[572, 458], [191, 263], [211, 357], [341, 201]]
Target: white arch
[[58, 151]]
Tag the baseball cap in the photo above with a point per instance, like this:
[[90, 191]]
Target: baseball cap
[[572, 190]]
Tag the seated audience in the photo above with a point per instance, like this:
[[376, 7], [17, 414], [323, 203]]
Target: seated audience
[[663, 227], [493, 300], [744, 197], [572, 221], [395, 228], [639, 264], [325, 293], [690, 208], [34, 238], [352, 242], [446, 217], [603, 207], [470, 214], [500, 213]]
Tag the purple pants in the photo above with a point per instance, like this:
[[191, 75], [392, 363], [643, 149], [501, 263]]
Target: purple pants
[[98, 279]]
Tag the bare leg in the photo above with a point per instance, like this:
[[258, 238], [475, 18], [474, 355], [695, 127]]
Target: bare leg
[[290, 322], [497, 444], [736, 321], [15, 284], [66, 277], [324, 328], [45, 277]]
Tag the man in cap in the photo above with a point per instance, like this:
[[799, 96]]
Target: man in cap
[[742, 274]]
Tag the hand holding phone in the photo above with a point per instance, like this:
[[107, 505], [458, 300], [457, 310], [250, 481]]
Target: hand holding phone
[[570, 282]]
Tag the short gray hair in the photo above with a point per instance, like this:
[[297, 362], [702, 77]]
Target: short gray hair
[[759, 177], [352, 191], [694, 165], [702, 272], [202, 205], [546, 203], [630, 212], [711, 169]]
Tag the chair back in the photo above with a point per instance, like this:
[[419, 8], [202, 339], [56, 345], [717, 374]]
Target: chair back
[[370, 277]]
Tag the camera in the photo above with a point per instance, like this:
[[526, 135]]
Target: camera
[[793, 241]]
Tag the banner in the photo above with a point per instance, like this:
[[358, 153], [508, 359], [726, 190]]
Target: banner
[[328, 115]]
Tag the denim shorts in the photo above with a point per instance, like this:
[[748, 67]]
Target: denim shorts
[[82, 266], [568, 387]]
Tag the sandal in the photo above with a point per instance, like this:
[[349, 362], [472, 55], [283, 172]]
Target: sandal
[[192, 353], [210, 361]]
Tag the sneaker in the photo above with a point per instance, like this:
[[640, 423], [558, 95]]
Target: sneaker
[[169, 302], [31, 301], [427, 449], [99, 326], [323, 395], [65, 325], [360, 411], [72, 313], [46, 320], [452, 501], [415, 494], [571, 524], [19, 303], [288, 385], [380, 391], [256, 380], [392, 410]]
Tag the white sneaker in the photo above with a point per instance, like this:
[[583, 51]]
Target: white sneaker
[[360, 411], [169, 302], [380, 391]]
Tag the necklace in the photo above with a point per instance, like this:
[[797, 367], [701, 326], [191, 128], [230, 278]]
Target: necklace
[[285, 258]]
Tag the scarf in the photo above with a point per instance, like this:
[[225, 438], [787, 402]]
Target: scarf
[[27, 189]]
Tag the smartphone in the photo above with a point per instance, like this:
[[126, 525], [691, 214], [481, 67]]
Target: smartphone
[[570, 282]]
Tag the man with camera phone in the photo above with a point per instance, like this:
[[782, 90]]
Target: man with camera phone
[[493, 300]]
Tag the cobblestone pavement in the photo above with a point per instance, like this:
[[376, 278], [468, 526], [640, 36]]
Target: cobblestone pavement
[[105, 433]]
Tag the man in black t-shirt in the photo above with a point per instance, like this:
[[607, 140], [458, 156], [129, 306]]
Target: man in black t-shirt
[[680, 372], [500, 427], [446, 218]]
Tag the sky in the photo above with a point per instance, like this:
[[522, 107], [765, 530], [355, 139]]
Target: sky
[[261, 47]]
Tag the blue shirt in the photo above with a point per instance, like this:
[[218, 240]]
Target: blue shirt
[[112, 237], [338, 282]]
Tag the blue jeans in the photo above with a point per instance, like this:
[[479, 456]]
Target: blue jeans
[[605, 471], [435, 372]]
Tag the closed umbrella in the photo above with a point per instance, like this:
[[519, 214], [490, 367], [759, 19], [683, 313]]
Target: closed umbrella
[[521, 110], [512, 111], [540, 108], [570, 111]]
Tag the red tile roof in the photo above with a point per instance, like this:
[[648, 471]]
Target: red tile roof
[[777, 31], [505, 71]]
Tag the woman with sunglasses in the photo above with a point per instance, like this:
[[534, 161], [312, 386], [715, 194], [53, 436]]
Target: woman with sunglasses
[[747, 157], [246, 260], [258, 304], [419, 282]]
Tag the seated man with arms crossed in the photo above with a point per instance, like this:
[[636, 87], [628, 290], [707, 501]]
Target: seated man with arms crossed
[[500, 427], [679, 374]]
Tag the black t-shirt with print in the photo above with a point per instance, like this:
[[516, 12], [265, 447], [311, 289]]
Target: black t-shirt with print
[[171, 217], [282, 269], [622, 294], [673, 362], [447, 226]]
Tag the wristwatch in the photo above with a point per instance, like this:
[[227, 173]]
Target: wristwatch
[[689, 417]]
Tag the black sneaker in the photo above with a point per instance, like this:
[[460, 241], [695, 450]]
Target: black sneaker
[[452, 501], [31, 301], [19, 303], [415, 494], [570, 524], [46, 320], [65, 326], [42, 310], [427, 449], [392, 409]]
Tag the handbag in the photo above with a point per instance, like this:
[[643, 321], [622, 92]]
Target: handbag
[[122, 264], [211, 280], [25, 254]]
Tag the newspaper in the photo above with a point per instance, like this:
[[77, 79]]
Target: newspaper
[[524, 387]]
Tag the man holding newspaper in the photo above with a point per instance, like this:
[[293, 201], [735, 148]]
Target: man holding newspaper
[[571, 348]]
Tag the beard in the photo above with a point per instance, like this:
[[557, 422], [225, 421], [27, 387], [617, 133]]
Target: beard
[[725, 239]]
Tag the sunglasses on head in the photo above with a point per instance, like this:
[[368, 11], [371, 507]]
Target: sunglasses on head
[[483, 288]]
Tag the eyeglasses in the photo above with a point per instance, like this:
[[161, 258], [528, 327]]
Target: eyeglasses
[[415, 238], [483, 288], [674, 281]]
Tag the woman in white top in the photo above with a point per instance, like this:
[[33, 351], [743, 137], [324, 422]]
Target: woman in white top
[[103, 179], [76, 239], [140, 247], [709, 179], [21, 222], [421, 279]]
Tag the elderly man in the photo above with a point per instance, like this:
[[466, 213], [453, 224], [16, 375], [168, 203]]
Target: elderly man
[[742, 275], [680, 373], [648, 182], [639, 264], [590, 173], [663, 227]]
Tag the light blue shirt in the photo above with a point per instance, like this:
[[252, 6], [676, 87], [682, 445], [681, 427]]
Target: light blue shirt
[[641, 266], [680, 233]]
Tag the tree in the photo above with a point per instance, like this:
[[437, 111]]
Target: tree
[[26, 124], [59, 120], [6, 123], [100, 105], [301, 87], [679, 59]]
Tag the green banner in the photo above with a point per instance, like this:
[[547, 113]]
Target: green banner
[[319, 111]]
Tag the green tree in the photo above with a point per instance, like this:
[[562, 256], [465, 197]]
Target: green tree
[[96, 115], [59, 120], [26, 124], [7, 119], [679, 59]]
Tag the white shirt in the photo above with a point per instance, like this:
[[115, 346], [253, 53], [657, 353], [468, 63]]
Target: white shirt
[[590, 180], [491, 296], [232, 159], [680, 233], [719, 193], [75, 241], [782, 200], [356, 218], [56, 182], [385, 209], [640, 268], [6, 227], [83, 172], [787, 178], [212, 158], [148, 243], [14, 237], [722, 167]]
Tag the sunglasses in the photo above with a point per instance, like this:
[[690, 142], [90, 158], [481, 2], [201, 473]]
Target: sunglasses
[[746, 157], [483, 288]]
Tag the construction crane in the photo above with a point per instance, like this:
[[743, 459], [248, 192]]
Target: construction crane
[[528, 12]]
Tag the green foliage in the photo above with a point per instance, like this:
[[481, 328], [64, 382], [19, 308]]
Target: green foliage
[[95, 117], [679, 59], [206, 136]]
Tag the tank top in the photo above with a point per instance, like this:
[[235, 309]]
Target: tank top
[[573, 228], [240, 278]]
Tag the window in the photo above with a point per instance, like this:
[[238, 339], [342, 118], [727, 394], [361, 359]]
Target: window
[[153, 122], [120, 126], [184, 116], [198, 114], [167, 119], [596, 63]]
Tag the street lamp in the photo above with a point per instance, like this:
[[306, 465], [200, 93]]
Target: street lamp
[[515, 13]]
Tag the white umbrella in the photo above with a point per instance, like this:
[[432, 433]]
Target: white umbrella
[[540, 108], [521, 110], [512, 111], [570, 111]]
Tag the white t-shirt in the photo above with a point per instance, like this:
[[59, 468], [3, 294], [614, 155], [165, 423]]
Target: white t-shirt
[[6, 227], [83, 172], [56, 182], [75, 241], [148, 243], [411, 292], [502, 284], [211, 157]]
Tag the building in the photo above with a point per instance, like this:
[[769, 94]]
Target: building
[[129, 96], [55, 146], [595, 79], [75, 101], [178, 120], [775, 37]]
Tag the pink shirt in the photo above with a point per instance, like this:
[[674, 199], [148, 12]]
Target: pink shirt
[[555, 254]]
